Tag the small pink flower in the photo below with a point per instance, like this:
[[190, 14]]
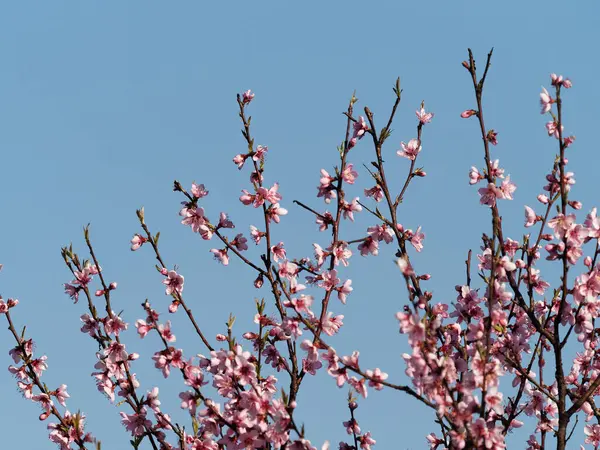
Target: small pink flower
[[360, 128], [278, 252], [344, 290], [410, 150], [349, 175], [137, 241], [552, 128], [247, 97], [546, 101], [492, 137], [224, 221], [61, 394], [424, 117], [507, 188], [376, 192], [489, 194], [348, 209], [260, 153], [220, 255], [474, 176], [240, 242], [530, 217], [198, 190], [174, 283], [239, 160], [329, 279]]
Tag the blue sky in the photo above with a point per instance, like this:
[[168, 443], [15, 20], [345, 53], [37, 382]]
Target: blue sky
[[104, 104]]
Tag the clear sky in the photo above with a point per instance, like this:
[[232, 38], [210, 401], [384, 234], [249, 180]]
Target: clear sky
[[104, 104]]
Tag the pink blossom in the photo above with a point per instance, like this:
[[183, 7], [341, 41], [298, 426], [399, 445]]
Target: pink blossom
[[136, 423], [278, 252], [224, 221], [61, 394], [240, 160], [220, 255], [256, 234], [174, 283], [247, 97], [410, 150], [552, 128], [474, 175], [348, 209], [468, 113], [375, 378], [424, 117], [376, 192], [344, 290], [329, 279], [198, 190], [360, 128], [274, 211], [507, 188], [137, 241], [240, 242], [165, 331], [489, 194], [349, 175], [366, 441], [546, 101], [259, 153]]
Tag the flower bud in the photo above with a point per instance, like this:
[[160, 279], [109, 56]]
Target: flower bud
[[588, 261], [173, 307], [468, 113], [112, 286], [250, 336], [259, 281], [221, 337], [12, 302]]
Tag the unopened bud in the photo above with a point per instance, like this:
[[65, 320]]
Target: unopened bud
[[221, 337], [12, 302], [250, 336], [259, 281]]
